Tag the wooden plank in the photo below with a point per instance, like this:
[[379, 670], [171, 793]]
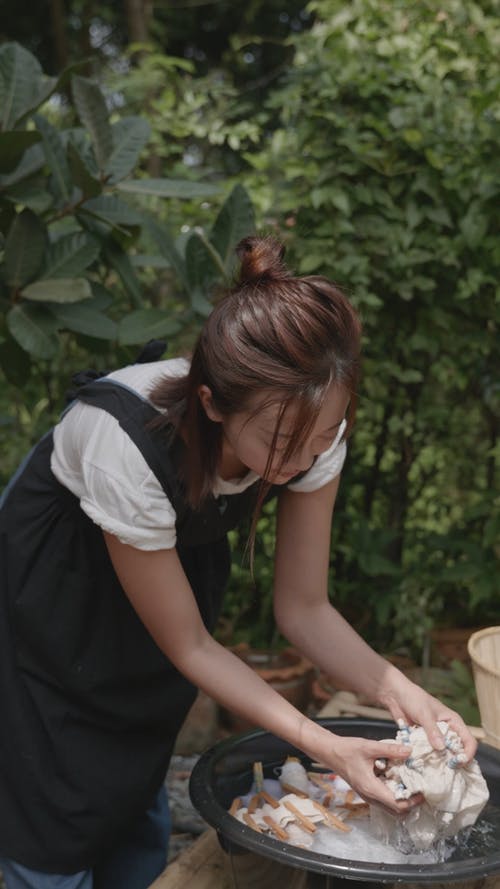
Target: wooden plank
[[203, 866]]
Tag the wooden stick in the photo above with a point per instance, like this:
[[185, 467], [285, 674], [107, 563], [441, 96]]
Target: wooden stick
[[276, 829], [251, 822], [319, 781], [269, 799], [235, 805], [258, 776], [330, 817], [302, 819], [289, 788], [254, 802], [358, 811]]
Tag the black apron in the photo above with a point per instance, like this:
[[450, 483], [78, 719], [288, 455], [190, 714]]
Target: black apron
[[90, 706]]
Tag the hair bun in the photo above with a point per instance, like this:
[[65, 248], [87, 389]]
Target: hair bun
[[261, 258]]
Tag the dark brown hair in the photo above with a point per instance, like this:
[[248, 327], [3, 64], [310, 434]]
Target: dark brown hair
[[288, 337]]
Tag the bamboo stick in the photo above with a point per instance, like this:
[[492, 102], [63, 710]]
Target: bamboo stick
[[304, 821], [251, 822], [331, 818], [276, 829]]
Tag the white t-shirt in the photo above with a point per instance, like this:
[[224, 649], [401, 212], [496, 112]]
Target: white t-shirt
[[97, 461]]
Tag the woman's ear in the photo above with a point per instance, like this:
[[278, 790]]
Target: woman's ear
[[205, 396]]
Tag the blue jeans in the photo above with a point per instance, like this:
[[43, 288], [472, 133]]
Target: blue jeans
[[133, 864]]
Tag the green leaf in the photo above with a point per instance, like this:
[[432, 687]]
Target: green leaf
[[23, 85], [169, 188], [70, 255], [167, 247], [56, 159], [24, 248], [13, 146], [130, 135], [15, 363], [33, 327], [144, 325], [112, 210], [236, 220], [102, 299], [85, 318], [204, 266], [92, 111], [58, 290], [32, 161], [147, 261], [119, 260], [82, 177], [30, 193]]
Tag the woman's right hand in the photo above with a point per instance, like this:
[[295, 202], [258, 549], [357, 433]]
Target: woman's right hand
[[354, 759]]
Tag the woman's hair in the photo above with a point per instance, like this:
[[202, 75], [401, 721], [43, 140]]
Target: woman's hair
[[288, 338]]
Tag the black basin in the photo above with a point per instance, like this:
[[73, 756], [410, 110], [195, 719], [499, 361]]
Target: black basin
[[225, 771]]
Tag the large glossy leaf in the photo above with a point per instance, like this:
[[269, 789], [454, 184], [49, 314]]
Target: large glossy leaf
[[112, 210], [130, 135], [24, 249], [23, 85], [236, 220], [144, 325], [203, 268], [80, 139], [34, 328], [82, 176], [102, 299], [119, 260], [85, 318], [15, 362], [70, 255], [58, 290], [93, 113], [32, 161], [55, 155], [167, 247], [13, 146], [169, 188], [31, 193], [147, 261]]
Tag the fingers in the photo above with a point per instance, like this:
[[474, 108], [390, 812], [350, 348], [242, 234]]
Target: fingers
[[434, 734], [469, 743], [391, 751], [379, 794]]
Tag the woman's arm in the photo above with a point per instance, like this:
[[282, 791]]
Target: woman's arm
[[158, 589], [307, 619]]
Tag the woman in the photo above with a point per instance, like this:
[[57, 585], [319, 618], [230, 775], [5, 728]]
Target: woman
[[115, 560]]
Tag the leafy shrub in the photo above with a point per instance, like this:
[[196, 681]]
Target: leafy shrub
[[80, 255], [384, 169]]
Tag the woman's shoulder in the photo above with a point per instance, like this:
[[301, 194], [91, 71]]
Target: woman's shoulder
[[142, 378]]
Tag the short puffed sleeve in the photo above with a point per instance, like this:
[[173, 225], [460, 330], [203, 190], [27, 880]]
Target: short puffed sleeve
[[97, 461], [326, 467]]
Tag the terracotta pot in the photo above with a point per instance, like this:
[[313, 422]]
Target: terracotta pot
[[287, 671]]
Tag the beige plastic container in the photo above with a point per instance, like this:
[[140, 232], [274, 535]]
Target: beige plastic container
[[484, 651]]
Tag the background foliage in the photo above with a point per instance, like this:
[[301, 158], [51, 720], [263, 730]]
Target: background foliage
[[366, 136]]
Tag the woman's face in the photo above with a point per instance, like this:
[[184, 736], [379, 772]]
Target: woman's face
[[248, 436]]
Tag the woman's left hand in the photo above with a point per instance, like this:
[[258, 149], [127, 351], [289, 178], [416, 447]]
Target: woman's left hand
[[415, 706]]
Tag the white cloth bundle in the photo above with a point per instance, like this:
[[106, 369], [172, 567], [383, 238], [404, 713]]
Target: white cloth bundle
[[454, 794]]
